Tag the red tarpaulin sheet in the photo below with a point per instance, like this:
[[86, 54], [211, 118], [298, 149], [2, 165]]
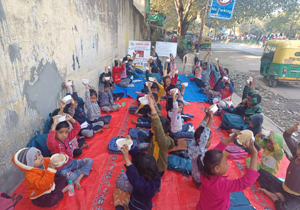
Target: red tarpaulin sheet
[[177, 191]]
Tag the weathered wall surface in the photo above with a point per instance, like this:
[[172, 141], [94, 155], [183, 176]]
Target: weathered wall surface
[[43, 43]]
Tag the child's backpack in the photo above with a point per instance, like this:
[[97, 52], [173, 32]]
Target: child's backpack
[[7, 202], [39, 142], [112, 146], [232, 121], [235, 152], [180, 164], [133, 132]]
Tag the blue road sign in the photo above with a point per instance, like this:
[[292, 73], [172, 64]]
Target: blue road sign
[[222, 9]]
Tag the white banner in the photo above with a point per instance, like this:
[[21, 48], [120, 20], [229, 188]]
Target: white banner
[[142, 50], [165, 48]]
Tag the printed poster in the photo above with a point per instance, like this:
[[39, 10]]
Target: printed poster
[[142, 50]]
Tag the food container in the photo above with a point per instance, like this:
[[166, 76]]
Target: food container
[[59, 159], [176, 71], [151, 79], [244, 136], [62, 118], [214, 108], [226, 78], [216, 100], [108, 67], [85, 81], [69, 83], [168, 60], [147, 68], [107, 78], [265, 132], [155, 58], [185, 84], [67, 99], [175, 90], [121, 142], [217, 59], [144, 100], [250, 79]]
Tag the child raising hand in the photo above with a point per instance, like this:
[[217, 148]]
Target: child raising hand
[[143, 175], [215, 187]]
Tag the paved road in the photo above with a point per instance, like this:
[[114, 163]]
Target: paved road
[[243, 58], [238, 47]]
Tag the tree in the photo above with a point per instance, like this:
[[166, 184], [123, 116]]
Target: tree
[[184, 11]]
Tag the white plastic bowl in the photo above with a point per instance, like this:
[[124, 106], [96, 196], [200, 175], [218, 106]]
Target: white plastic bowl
[[174, 90], [168, 60], [176, 71], [66, 158], [107, 78], [61, 119], [150, 57], [185, 84], [144, 100], [216, 59], [85, 81], [67, 99], [216, 100], [213, 108], [147, 68], [265, 132], [250, 79], [226, 78], [69, 83], [121, 142], [108, 67], [154, 58], [151, 79]]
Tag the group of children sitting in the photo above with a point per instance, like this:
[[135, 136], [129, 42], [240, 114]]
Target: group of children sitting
[[46, 182]]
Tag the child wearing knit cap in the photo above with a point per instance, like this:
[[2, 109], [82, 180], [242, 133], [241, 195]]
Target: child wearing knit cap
[[43, 189]]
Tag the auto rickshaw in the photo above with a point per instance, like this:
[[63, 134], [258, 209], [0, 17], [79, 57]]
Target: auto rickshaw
[[188, 40], [281, 61], [206, 43]]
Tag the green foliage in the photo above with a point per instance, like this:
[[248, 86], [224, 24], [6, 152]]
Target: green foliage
[[182, 49]]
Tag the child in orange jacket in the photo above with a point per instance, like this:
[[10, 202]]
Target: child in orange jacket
[[43, 189]]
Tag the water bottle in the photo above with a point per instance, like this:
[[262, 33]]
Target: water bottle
[[71, 188]]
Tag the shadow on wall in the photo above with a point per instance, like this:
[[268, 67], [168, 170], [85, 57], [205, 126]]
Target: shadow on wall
[[44, 93]]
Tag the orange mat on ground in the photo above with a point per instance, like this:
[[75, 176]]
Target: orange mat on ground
[[177, 191]]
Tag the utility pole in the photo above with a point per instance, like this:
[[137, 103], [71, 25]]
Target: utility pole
[[202, 25]]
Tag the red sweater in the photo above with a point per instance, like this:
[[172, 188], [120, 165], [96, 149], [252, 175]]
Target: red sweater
[[56, 146], [116, 74]]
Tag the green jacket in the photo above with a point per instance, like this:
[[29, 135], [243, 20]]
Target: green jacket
[[160, 143], [270, 159]]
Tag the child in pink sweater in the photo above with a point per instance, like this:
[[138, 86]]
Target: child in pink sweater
[[215, 187]]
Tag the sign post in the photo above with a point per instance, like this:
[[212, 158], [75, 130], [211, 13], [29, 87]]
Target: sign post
[[222, 9]]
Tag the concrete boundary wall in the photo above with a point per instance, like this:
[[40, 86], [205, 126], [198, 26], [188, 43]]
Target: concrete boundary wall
[[43, 43]]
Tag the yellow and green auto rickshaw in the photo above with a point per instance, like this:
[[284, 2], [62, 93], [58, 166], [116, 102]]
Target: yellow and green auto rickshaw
[[206, 43], [281, 61]]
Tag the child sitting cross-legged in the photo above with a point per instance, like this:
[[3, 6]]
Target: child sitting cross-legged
[[43, 188], [202, 140], [58, 141], [179, 129], [144, 176], [106, 98], [215, 187]]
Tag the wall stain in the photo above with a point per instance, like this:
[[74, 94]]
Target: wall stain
[[12, 118], [43, 95], [34, 17], [2, 14], [78, 62], [14, 52], [73, 65]]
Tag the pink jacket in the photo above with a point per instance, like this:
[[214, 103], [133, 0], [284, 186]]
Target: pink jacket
[[56, 146], [215, 193]]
